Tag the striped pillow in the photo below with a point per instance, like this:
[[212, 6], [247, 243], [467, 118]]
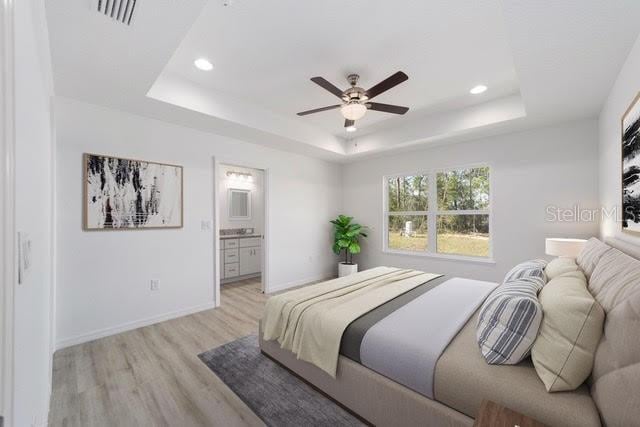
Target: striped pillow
[[510, 317], [534, 269]]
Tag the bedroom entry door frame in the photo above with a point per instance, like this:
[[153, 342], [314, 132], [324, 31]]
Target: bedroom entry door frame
[[264, 276], [7, 210]]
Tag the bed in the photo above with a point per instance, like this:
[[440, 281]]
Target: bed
[[461, 379]]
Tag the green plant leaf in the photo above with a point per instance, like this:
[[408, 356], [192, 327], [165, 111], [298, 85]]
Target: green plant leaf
[[345, 219], [346, 234], [343, 243]]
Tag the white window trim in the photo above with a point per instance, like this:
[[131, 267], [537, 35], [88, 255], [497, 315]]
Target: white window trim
[[432, 214]]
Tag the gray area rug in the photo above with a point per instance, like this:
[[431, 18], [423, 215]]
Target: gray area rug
[[276, 395]]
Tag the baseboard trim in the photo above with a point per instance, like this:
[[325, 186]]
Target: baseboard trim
[[283, 286], [105, 332], [239, 278]]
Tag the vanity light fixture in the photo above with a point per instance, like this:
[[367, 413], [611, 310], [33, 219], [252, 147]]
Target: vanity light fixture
[[245, 176]]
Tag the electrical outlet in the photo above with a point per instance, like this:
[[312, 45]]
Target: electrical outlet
[[155, 284]]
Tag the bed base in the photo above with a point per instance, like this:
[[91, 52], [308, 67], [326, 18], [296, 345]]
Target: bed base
[[373, 397]]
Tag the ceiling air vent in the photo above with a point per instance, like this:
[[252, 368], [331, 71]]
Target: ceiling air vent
[[119, 10]]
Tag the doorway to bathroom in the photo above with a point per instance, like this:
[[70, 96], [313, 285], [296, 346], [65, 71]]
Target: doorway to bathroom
[[241, 230]]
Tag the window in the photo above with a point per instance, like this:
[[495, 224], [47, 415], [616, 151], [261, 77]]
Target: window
[[444, 212], [463, 212], [408, 202]]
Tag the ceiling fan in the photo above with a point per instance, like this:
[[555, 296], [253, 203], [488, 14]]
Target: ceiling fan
[[355, 100]]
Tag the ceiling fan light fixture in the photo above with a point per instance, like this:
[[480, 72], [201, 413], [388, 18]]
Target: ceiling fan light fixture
[[353, 111]]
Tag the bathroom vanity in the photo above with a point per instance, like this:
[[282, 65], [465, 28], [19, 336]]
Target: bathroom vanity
[[240, 257]]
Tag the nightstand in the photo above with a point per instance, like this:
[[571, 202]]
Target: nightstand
[[492, 414]]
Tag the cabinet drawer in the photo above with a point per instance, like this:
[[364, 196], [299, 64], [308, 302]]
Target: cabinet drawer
[[230, 256], [250, 242], [230, 243], [231, 270]]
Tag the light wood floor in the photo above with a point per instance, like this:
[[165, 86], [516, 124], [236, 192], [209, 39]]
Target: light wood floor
[[152, 375]]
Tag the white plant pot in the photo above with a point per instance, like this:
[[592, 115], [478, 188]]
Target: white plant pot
[[346, 269]]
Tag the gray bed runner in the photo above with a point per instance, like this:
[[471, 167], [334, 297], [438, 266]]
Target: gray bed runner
[[406, 345], [354, 334]]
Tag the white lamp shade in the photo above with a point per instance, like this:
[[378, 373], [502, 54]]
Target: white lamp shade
[[353, 111], [567, 248]]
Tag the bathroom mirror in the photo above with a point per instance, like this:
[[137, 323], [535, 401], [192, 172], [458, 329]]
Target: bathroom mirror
[[239, 205]]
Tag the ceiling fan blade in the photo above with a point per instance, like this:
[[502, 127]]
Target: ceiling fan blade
[[387, 84], [387, 108], [322, 82], [317, 110], [348, 123]]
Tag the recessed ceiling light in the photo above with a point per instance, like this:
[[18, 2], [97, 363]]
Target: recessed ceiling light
[[203, 64], [351, 128], [477, 90]]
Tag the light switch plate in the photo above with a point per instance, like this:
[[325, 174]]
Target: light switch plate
[[155, 284]]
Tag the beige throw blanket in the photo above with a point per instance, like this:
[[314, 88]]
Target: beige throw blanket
[[310, 321]]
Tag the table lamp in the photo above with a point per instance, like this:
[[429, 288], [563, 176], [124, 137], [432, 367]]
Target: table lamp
[[564, 248]]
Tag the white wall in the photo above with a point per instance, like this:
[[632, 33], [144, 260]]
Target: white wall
[[257, 197], [103, 277], [33, 215], [623, 92], [530, 171]]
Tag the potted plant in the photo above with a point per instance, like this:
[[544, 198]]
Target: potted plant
[[346, 239]]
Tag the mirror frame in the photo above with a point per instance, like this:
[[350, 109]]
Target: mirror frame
[[230, 200]]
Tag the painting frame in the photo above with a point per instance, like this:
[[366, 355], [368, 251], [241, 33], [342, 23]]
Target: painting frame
[[635, 104], [85, 195]]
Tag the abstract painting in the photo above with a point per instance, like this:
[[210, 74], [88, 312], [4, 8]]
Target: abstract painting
[[122, 194], [631, 167]]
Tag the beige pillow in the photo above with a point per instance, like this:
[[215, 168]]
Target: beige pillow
[[560, 266], [569, 334]]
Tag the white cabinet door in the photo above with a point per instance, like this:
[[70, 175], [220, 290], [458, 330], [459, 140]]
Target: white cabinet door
[[250, 261]]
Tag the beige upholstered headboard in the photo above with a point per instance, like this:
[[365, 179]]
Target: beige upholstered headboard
[[615, 284], [624, 246]]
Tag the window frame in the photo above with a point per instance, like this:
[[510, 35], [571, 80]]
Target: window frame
[[432, 214]]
